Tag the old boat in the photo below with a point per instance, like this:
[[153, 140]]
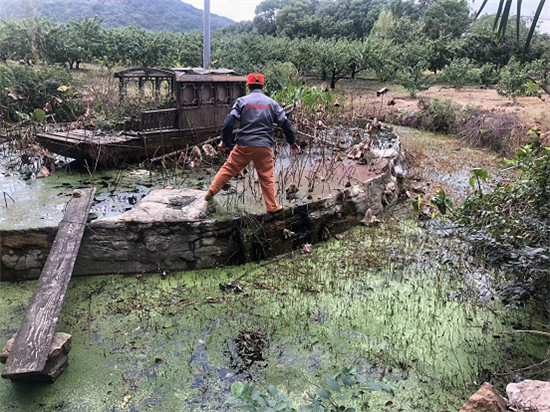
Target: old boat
[[201, 100]]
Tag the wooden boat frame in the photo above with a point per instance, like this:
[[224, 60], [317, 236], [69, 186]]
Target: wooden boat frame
[[202, 99]]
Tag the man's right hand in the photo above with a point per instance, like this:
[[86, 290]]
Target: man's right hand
[[295, 149], [221, 146]]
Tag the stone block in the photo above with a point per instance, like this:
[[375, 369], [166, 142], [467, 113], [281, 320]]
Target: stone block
[[486, 399], [530, 395], [58, 358]]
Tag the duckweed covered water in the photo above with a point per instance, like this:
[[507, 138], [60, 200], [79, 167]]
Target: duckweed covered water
[[404, 306], [392, 301]]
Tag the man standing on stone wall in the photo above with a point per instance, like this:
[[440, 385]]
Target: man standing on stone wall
[[256, 114]]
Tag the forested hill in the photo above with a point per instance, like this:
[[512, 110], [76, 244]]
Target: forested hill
[[170, 15]]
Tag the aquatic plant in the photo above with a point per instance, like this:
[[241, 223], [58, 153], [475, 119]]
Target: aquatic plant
[[337, 394]]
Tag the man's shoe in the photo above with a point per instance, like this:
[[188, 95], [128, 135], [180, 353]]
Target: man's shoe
[[279, 209], [209, 195]]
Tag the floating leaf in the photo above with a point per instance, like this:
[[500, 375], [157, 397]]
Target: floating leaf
[[39, 115], [323, 393], [379, 386], [237, 388]]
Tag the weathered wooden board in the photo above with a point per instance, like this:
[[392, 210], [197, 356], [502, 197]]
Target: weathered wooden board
[[34, 339]]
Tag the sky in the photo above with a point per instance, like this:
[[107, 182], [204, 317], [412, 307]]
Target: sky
[[237, 10]]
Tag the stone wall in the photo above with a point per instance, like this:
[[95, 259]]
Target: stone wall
[[155, 236]]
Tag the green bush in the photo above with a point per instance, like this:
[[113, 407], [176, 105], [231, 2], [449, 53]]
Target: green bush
[[459, 73], [514, 81], [279, 76], [310, 97], [511, 225], [488, 74], [440, 116], [24, 89]]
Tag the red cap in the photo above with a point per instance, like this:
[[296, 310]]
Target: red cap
[[256, 78]]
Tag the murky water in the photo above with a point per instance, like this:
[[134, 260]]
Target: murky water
[[28, 201], [390, 301]]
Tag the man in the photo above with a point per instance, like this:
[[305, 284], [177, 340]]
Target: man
[[256, 114]]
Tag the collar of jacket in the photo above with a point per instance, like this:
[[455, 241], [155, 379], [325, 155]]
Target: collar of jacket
[[257, 91]]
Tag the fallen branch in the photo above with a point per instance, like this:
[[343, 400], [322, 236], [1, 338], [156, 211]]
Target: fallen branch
[[526, 369], [171, 155], [536, 332]]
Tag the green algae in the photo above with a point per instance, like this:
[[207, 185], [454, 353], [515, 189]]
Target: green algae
[[392, 301], [406, 307]]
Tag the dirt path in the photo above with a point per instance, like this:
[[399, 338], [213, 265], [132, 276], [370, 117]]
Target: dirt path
[[530, 109]]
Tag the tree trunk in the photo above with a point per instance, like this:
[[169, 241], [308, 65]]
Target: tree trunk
[[333, 80]]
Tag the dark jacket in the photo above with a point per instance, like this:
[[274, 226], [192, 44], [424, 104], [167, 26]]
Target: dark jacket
[[256, 114]]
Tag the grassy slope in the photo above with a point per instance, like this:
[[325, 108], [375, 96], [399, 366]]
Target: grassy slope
[[170, 15]]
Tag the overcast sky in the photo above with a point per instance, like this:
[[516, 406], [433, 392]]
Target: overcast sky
[[234, 9]]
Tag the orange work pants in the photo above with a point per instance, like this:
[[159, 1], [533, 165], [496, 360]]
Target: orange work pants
[[238, 159]]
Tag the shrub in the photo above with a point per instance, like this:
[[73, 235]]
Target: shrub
[[459, 73], [441, 116], [511, 225], [24, 89], [488, 74], [281, 75], [514, 81], [310, 97]]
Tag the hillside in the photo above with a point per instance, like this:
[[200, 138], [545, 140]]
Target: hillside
[[170, 15]]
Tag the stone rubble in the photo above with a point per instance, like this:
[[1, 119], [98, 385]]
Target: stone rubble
[[530, 395], [486, 399], [58, 358]]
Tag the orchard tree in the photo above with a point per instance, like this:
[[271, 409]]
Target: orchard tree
[[84, 40], [446, 18], [334, 57]]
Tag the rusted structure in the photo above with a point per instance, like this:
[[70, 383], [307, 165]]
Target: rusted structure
[[199, 99]]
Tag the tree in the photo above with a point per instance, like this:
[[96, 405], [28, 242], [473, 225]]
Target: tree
[[413, 63], [84, 39], [449, 18], [297, 20], [266, 15], [384, 24], [335, 57], [353, 19]]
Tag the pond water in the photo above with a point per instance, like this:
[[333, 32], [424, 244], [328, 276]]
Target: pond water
[[27, 201], [391, 301]]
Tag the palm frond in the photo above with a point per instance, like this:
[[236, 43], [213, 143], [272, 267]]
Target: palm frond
[[503, 14], [504, 18], [481, 8], [518, 19], [534, 24], [497, 16]]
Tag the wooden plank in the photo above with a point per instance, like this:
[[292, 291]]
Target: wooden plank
[[34, 339], [64, 139]]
